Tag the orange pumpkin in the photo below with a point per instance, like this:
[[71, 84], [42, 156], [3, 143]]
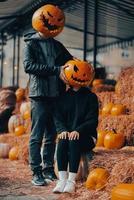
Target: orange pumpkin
[[20, 94], [14, 153], [100, 138], [123, 192], [97, 82], [97, 179], [114, 140], [118, 109], [14, 121], [79, 73], [106, 110], [26, 115], [49, 20], [4, 150], [19, 130]]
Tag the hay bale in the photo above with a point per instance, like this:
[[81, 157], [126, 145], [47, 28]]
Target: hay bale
[[21, 141], [122, 172], [122, 124]]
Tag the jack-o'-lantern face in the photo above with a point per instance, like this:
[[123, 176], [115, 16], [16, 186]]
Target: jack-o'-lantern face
[[79, 73], [49, 20]]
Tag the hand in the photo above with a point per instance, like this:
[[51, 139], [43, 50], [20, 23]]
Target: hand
[[62, 74], [74, 135], [63, 135]]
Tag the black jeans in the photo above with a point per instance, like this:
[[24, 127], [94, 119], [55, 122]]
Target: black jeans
[[69, 152], [43, 134]]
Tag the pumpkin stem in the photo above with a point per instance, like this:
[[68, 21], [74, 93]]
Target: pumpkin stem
[[114, 131]]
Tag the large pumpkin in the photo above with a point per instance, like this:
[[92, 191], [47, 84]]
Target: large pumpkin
[[49, 20], [4, 150], [97, 179], [123, 192], [14, 121], [114, 140], [14, 153], [79, 73]]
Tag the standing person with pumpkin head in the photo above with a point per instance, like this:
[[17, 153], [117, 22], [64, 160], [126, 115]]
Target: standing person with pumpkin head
[[76, 120], [44, 59]]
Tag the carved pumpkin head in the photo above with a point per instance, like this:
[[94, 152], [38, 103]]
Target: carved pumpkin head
[[79, 73], [49, 20]]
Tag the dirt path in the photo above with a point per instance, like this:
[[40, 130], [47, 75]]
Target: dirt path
[[15, 184]]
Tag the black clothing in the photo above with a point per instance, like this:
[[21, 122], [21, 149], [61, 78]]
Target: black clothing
[[43, 129], [69, 151], [77, 111], [42, 61]]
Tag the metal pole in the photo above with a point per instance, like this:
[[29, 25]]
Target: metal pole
[[2, 59], [95, 30], [85, 29], [14, 52], [18, 59]]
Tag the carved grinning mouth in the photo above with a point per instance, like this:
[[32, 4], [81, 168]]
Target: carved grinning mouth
[[78, 80], [49, 26]]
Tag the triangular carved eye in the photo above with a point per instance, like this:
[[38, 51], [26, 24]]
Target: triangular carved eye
[[76, 68]]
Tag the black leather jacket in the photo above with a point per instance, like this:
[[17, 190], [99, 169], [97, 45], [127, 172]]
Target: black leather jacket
[[42, 61]]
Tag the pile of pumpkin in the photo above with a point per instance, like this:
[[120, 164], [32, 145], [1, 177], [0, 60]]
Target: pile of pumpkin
[[18, 127]]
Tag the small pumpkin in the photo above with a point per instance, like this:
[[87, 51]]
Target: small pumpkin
[[4, 150], [100, 138], [118, 109], [97, 179], [49, 20], [123, 191], [97, 82], [14, 153], [106, 110], [27, 115], [20, 94], [114, 140], [79, 73], [19, 130], [14, 121]]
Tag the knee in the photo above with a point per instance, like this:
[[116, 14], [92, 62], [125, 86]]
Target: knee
[[62, 142]]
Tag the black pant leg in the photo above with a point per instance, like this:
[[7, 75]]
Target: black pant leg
[[38, 116], [74, 155], [49, 143], [62, 155]]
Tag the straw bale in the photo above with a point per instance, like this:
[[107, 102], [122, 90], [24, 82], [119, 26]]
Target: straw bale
[[21, 141], [122, 124], [122, 172], [126, 82]]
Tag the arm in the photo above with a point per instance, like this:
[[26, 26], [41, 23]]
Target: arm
[[31, 66], [91, 120]]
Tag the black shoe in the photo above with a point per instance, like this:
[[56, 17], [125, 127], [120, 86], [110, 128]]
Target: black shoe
[[49, 176], [38, 179]]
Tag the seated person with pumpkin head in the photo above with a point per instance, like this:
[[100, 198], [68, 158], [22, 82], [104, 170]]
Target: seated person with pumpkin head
[[76, 120]]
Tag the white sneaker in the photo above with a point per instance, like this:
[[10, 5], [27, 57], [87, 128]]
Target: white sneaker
[[60, 186], [70, 186]]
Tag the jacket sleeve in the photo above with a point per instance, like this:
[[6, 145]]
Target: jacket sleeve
[[31, 66], [59, 118], [91, 121]]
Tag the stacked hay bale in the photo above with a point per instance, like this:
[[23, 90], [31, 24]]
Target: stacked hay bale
[[124, 94]]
